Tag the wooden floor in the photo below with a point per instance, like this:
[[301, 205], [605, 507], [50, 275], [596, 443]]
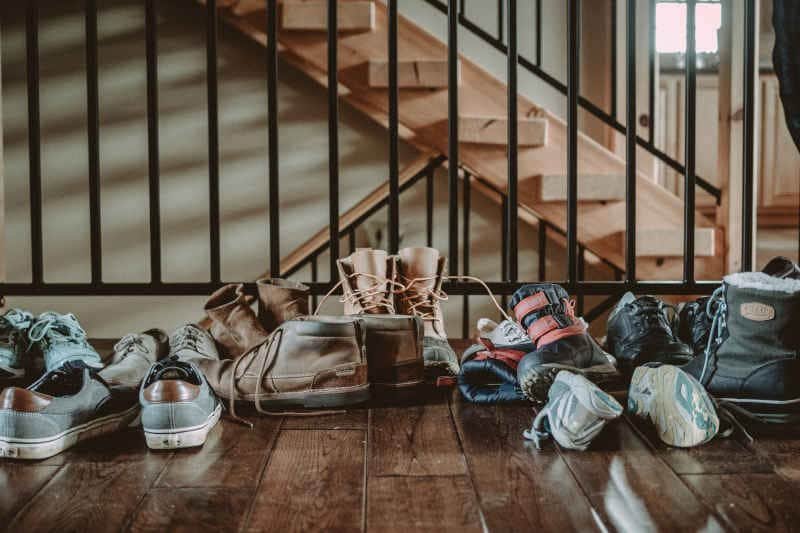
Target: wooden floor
[[431, 463]]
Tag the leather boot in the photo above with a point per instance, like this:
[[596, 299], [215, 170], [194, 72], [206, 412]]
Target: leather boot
[[562, 341], [304, 363], [752, 359], [233, 323], [280, 300], [421, 271], [393, 342]]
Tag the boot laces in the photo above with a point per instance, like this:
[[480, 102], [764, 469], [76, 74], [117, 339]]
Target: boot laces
[[270, 346], [13, 326], [377, 296], [52, 328], [719, 326], [423, 301]]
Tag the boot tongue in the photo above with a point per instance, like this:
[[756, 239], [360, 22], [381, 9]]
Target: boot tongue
[[373, 264], [420, 263]]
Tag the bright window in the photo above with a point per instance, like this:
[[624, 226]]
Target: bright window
[[671, 27]]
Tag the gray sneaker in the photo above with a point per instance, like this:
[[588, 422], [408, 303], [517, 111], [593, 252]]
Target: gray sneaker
[[14, 343], [61, 338], [179, 408], [133, 355], [65, 406], [577, 410]]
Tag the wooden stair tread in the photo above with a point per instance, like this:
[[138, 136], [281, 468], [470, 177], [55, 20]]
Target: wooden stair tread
[[423, 116]]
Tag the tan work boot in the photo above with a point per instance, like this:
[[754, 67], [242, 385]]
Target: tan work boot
[[280, 300], [421, 271], [304, 363], [233, 323], [393, 342]]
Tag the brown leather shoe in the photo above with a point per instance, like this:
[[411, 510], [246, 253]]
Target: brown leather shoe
[[421, 271], [280, 300], [233, 323], [393, 342], [304, 363]]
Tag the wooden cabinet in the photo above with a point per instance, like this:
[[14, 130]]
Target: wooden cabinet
[[780, 159]]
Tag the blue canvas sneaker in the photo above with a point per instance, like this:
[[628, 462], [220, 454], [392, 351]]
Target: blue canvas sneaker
[[61, 339], [14, 343]]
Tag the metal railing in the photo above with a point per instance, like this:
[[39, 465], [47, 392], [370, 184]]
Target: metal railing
[[505, 42]]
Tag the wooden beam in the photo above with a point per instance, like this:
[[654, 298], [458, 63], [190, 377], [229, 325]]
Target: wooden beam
[[669, 242], [591, 188], [312, 15], [494, 130], [411, 74]]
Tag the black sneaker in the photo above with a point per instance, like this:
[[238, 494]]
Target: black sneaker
[[693, 323], [639, 332]]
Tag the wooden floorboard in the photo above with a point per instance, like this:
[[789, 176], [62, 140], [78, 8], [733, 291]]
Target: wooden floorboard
[[424, 460]]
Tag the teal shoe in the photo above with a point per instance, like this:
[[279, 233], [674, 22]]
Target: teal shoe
[[14, 325], [62, 339]]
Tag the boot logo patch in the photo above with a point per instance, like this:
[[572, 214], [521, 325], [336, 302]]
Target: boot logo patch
[[757, 312]]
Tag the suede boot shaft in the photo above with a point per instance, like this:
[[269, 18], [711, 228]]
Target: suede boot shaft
[[234, 325], [280, 300]]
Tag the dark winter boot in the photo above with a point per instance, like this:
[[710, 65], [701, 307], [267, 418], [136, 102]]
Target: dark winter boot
[[561, 339], [639, 332], [782, 267], [753, 356]]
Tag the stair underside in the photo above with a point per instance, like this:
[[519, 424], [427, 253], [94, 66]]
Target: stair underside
[[423, 120]]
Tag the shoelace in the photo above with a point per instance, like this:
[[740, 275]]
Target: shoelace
[[512, 333], [421, 300], [382, 288], [14, 325], [51, 327], [270, 345], [718, 327], [187, 339], [131, 343]]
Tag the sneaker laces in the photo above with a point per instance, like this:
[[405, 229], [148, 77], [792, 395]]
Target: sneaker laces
[[51, 328], [187, 338], [13, 325], [270, 346], [131, 343], [719, 326]]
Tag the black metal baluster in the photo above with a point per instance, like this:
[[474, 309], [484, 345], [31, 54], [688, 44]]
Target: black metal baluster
[[151, 40], [513, 245], [351, 240], [500, 23], [581, 277], [630, 147], [452, 135], [272, 131], [213, 141], [93, 138], [503, 236], [613, 40], [466, 249], [538, 33], [573, 89], [749, 135], [34, 140], [690, 122], [394, 184], [651, 67], [333, 135], [314, 279], [542, 250]]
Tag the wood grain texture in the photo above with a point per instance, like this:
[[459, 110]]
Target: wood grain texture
[[422, 504], [192, 510], [411, 73], [750, 502], [19, 482], [88, 497], [633, 490], [355, 418], [314, 480], [494, 130], [232, 457], [417, 439], [313, 15], [519, 488]]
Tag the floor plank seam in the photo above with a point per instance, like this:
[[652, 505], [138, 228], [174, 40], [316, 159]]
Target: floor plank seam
[[128, 524], [249, 512], [469, 475], [35, 495]]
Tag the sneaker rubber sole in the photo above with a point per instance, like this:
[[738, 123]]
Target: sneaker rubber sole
[[536, 384], [42, 448], [676, 403], [189, 437]]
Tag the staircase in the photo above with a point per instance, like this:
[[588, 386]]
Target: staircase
[[482, 124]]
